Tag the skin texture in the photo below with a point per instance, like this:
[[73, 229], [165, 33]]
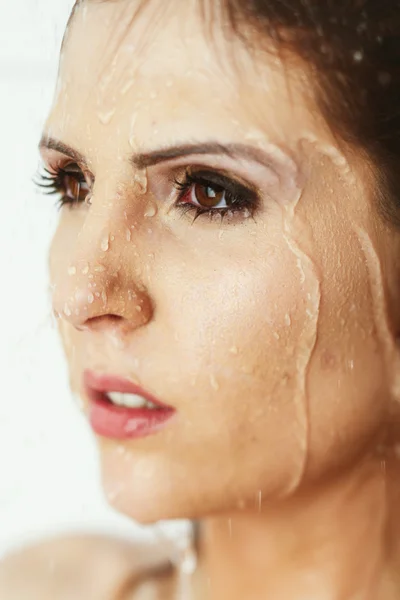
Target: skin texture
[[273, 336]]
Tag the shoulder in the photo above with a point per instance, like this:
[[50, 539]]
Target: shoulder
[[85, 567]]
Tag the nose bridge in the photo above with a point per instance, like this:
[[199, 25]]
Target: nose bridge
[[94, 281]]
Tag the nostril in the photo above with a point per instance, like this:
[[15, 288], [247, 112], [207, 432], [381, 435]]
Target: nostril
[[102, 321]]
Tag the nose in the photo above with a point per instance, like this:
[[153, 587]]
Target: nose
[[99, 285]]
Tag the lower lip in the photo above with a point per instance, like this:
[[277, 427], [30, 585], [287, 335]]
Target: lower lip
[[118, 422]]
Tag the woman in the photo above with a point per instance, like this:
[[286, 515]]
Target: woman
[[226, 273]]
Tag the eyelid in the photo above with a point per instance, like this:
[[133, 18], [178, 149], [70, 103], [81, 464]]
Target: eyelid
[[219, 176], [257, 178], [76, 172]]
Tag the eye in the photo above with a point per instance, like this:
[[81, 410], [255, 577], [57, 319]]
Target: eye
[[70, 183], [212, 193], [76, 187], [207, 196]]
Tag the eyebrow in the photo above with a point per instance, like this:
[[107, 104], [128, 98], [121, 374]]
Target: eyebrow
[[50, 143], [142, 160]]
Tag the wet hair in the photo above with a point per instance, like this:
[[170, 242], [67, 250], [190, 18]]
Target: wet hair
[[351, 49]]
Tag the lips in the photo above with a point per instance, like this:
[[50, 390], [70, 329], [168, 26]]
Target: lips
[[120, 422]]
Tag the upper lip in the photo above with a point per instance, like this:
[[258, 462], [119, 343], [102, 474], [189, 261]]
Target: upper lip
[[96, 384]]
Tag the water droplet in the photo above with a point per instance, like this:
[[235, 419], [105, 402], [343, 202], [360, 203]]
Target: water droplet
[[276, 335], [85, 269], [99, 269], [90, 298], [67, 310], [104, 297], [151, 211], [128, 235], [233, 350], [140, 178], [139, 308], [288, 320], [132, 137], [105, 117], [127, 87], [97, 294], [358, 56], [221, 234], [118, 341], [72, 271], [105, 244], [214, 383], [230, 527], [150, 231]]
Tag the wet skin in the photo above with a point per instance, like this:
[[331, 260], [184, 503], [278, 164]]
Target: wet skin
[[269, 324]]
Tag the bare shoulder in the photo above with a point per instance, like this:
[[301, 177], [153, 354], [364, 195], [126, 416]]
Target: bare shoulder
[[87, 567]]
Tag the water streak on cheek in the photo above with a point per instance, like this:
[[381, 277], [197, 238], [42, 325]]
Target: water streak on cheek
[[310, 285], [329, 151], [389, 345]]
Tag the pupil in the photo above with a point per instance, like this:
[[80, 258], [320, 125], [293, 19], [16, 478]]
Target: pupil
[[76, 190], [207, 196]]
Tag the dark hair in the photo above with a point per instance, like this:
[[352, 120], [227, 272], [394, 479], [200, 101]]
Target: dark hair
[[352, 50]]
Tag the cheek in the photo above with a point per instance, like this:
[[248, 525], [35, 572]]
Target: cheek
[[238, 333], [283, 358], [348, 387]]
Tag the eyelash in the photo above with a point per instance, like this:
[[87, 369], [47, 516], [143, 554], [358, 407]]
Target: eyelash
[[54, 183], [241, 199]]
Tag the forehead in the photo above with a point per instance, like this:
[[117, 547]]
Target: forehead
[[153, 68]]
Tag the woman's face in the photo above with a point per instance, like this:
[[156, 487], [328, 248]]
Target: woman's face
[[261, 322]]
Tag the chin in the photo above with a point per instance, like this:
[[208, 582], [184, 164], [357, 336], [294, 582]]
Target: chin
[[147, 506], [142, 486]]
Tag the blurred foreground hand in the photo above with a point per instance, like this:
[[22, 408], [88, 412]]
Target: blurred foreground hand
[[79, 568]]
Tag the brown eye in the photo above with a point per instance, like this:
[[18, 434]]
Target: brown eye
[[208, 196], [76, 184], [76, 187]]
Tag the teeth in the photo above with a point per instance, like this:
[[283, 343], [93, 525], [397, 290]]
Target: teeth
[[129, 400]]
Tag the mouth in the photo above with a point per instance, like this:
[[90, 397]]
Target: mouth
[[120, 409]]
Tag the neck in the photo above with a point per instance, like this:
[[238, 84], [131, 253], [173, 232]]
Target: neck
[[331, 542]]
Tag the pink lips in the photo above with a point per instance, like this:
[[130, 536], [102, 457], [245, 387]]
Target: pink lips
[[118, 422]]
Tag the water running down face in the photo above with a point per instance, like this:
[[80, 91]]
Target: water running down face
[[223, 254]]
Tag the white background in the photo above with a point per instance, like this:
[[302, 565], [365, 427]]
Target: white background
[[48, 466]]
